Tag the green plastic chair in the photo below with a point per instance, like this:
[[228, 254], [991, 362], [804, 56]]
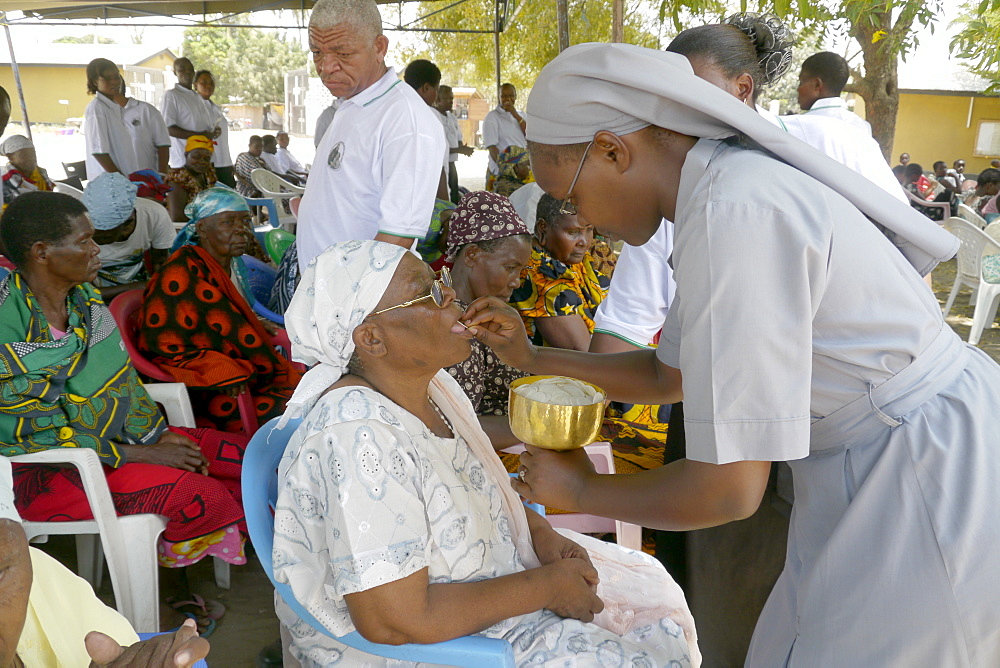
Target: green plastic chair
[[277, 242]]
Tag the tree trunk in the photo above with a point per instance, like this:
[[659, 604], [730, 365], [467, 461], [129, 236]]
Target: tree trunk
[[879, 87]]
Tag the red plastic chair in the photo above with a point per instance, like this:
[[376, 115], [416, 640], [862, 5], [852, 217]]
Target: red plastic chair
[[124, 309]]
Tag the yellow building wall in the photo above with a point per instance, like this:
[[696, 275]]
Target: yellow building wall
[[937, 127], [44, 86], [160, 61]]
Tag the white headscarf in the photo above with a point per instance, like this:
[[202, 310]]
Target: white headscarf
[[7, 509], [624, 88], [338, 290]]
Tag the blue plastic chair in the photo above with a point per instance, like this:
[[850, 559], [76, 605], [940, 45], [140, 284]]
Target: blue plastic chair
[[261, 277], [272, 212], [260, 493], [147, 636]]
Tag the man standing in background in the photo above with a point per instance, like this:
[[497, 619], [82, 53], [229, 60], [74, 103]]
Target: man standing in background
[[444, 103], [502, 127]]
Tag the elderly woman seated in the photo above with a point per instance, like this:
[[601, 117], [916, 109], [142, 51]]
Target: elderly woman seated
[[195, 175], [420, 537], [198, 326], [67, 382], [22, 174]]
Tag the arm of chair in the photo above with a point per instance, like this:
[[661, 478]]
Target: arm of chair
[[265, 312], [175, 401]]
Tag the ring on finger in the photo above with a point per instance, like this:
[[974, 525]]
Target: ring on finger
[[521, 472]]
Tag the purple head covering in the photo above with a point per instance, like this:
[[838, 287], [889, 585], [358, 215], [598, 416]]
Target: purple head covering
[[482, 216]]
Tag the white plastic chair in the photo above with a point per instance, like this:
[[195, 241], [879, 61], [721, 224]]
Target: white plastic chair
[[128, 541], [67, 189], [965, 212], [944, 206], [627, 535], [278, 189], [969, 271]]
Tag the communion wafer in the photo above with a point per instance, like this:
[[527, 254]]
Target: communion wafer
[[560, 391]]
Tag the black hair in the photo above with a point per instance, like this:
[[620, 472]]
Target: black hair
[[200, 72], [911, 170], [940, 162], [37, 216], [548, 210], [94, 69], [508, 84], [421, 72], [830, 67], [898, 170], [269, 139], [254, 138], [758, 44], [4, 95], [443, 86], [987, 176]]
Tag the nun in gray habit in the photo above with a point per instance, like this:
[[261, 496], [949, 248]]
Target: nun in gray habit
[[801, 332]]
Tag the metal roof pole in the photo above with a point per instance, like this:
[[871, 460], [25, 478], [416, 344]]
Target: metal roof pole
[[17, 78], [562, 24], [617, 21], [497, 27]]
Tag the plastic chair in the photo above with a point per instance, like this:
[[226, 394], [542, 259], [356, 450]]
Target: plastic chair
[[128, 541], [76, 173], [278, 189], [627, 535], [272, 213], [966, 212], [67, 189], [124, 309], [147, 636], [261, 280], [276, 242], [944, 206], [969, 271], [260, 493]]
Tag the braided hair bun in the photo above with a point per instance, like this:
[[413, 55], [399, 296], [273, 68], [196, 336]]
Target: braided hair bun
[[772, 40]]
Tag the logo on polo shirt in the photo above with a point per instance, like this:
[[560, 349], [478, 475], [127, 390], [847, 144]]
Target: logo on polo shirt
[[336, 156], [135, 122]]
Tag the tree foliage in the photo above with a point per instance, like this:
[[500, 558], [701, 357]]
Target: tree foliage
[[249, 64], [530, 40], [979, 38]]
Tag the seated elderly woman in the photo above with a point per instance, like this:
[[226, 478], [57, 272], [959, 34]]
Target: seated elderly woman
[[557, 299], [515, 170], [22, 174], [420, 538], [66, 381], [197, 325], [195, 175]]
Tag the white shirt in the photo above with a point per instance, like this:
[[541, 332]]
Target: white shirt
[[789, 302], [185, 109], [643, 280], [123, 261], [288, 162], [221, 157], [451, 133], [501, 130], [377, 170], [273, 162], [323, 122], [148, 131], [106, 133], [834, 107]]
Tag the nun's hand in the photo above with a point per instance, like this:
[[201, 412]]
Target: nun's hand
[[554, 479], [499, 326]]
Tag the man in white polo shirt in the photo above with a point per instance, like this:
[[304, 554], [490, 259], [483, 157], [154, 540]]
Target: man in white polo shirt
[[821, 81], [185, 113], [502, 127], [378, 166]]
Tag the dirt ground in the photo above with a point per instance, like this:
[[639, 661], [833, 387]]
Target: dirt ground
[[250, 623]]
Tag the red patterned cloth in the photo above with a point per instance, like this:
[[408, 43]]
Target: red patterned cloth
[[204, 513]]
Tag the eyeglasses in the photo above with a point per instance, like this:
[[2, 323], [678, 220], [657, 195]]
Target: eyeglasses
[[568, 208], [437, 293]]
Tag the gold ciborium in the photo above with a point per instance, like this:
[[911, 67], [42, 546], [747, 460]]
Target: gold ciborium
[[552, 426]]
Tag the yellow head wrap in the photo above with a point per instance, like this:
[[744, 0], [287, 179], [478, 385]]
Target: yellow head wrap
[[199, 141]]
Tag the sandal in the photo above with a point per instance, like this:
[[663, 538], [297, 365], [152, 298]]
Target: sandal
[[204, 630], [210, 609]]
